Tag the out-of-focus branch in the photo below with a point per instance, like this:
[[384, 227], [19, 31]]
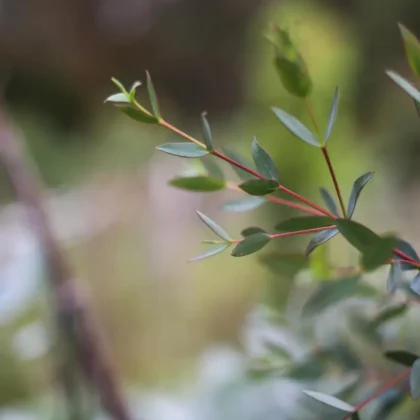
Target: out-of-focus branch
[[69, 303]]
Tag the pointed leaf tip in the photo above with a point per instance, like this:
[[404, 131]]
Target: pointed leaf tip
[[214, 250], [208, 139], [183, 149], [404, 85], [251, 244], [330, 401], [358, 186], [296, 127], [212, 225], [332, 117], [152, 97], [263, 161]]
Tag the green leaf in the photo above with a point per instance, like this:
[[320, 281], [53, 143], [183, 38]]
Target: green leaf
[[356, 234], [212, 168], [244, 204], [330, 401], [394, 278], [417, 106], [243, 175], [358, 186], [404, 85], [218, 230], [251, 244], [289, 63], [379, 253], [412, 49], [388, 313], [118, 98], [251, 231], [303, 223], [152, 97], [319, 239], [332, 117], [282, 263], [118, 84], [402, 357], [133, 89], [329, 293], [259, 187], [217, 249], [415, 283], [296, 127], [184, 149], [208, 139], [137, 114], [407, 249], [329, 201], [198, 183], [415, 380], [264, 163]]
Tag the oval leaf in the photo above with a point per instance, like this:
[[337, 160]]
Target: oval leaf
[[217, 249], [319, 239], [408, 249], [259, 187], [152, 97], [394, 278], [330, 401], [415, 283], [137, 114], [187, 150], [251, 244], [415, 380], [329, 293], [303, 223], [208, 139], [296, 127], [244, 204], [379, 253], [332, 117], [243, 175], [251, 231], [402, 357], [358, 186], [404, 85], [388, 313], [356, 234], [263, 161], [198, 183], [218, 230], [329, 201]]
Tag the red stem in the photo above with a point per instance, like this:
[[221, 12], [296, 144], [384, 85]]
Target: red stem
[[301, 232], [294, 205], [334, 179], [380, 391]]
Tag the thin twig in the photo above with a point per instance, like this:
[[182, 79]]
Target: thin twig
[[68, 301]]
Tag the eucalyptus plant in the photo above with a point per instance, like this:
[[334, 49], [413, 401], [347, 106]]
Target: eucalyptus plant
[[261, 183]]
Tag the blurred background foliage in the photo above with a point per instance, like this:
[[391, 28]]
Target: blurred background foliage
[[129, 234]]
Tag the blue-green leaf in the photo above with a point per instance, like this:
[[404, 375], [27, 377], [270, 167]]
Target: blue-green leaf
[[415, 380], [186, 150], [208, 139], [243, 175], [394, 278], [329, 201], [263, 161], [251, 244], [218, 230], [198, 183], [415, 283], [259, 187], [251, 231], [296, 127], [358, 186], [244, 204], [356, 234], [295, 224], [217, 249], [404, 85], [407, 249], [330, 401], [332, 117], [137, 114], [319, 239], [330, 292], [152, 97]]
